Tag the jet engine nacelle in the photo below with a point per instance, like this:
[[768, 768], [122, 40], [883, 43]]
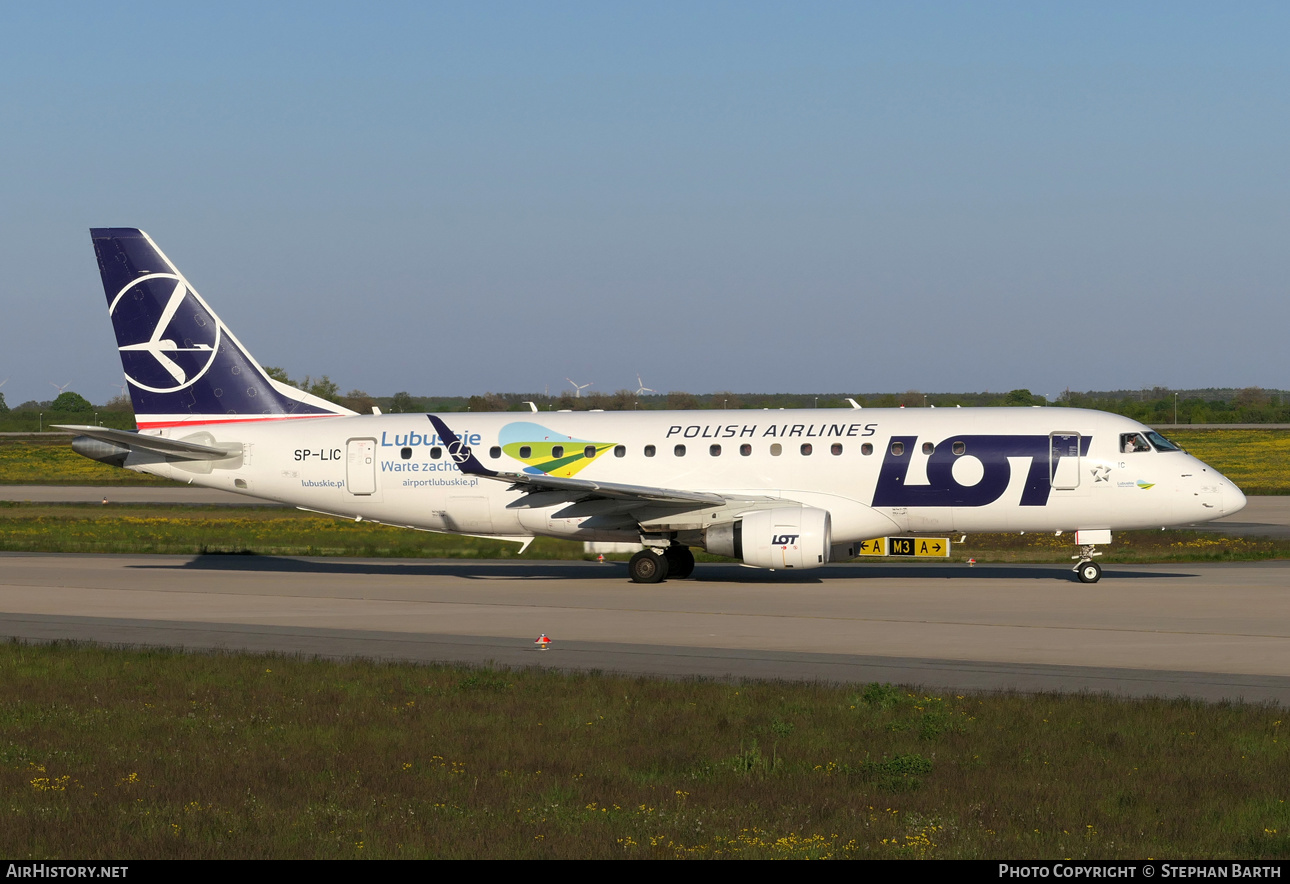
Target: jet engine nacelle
[[780, 537]]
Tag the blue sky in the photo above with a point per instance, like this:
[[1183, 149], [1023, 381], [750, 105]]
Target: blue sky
[[471, 197]]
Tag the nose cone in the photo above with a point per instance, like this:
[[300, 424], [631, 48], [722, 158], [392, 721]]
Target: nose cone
[[1231, 497]]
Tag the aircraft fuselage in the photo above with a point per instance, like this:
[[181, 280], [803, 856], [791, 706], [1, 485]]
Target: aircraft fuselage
[[874, 470]]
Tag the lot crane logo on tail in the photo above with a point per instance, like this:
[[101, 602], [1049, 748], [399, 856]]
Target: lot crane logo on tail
[[160, 362]]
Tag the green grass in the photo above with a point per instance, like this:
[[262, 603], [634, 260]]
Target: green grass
[[49, 460], [152, 754], [194, 530]]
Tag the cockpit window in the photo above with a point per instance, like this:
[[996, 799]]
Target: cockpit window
[[1161, 443], [1132, 442]]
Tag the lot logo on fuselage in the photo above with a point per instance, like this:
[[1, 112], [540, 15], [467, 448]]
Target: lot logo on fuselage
[[459, 451], [993, 453], [546, 452], [167, 337]]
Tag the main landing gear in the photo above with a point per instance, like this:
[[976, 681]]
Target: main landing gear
[[680, 562], [651, 566]]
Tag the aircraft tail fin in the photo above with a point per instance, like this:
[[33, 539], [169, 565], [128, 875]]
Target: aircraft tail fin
[[182, 364]]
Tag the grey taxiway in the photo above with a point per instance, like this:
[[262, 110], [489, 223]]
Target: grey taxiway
[[1209, 631]]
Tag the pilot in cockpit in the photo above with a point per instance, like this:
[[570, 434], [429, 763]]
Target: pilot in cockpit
[[1133, 442]]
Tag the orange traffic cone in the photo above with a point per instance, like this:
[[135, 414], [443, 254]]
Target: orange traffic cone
[[542, 642]]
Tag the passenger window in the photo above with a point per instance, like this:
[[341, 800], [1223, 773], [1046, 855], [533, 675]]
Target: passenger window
[[406, 454], [494, 452], [897, 449], [620, 451], [557, 451], [745, 449], [866, 449], [806, 448], [679, 451], [959, 448], [525, 452], [928, 448], [649, 450], [776, 450], [436, 453], [589, 451], [714, 450], [836, 448]]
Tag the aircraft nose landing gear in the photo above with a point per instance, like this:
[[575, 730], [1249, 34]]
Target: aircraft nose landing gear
[[1086, 569], [1089, 572]]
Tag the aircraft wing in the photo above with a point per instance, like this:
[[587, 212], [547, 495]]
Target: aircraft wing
[[575, 488], [155, 444], [613, 490]]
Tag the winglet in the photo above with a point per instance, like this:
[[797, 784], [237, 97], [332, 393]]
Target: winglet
[[458, 450]]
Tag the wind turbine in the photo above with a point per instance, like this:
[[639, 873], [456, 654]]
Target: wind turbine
[[640, 386], [60, 389], [579, 387]]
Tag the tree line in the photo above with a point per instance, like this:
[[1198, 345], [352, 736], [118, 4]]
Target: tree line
[[1154, 406]]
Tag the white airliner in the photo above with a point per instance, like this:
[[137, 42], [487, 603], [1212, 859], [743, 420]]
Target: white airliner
[[773, 489]]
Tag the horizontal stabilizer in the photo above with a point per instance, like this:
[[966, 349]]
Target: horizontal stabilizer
[[155, 444]]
